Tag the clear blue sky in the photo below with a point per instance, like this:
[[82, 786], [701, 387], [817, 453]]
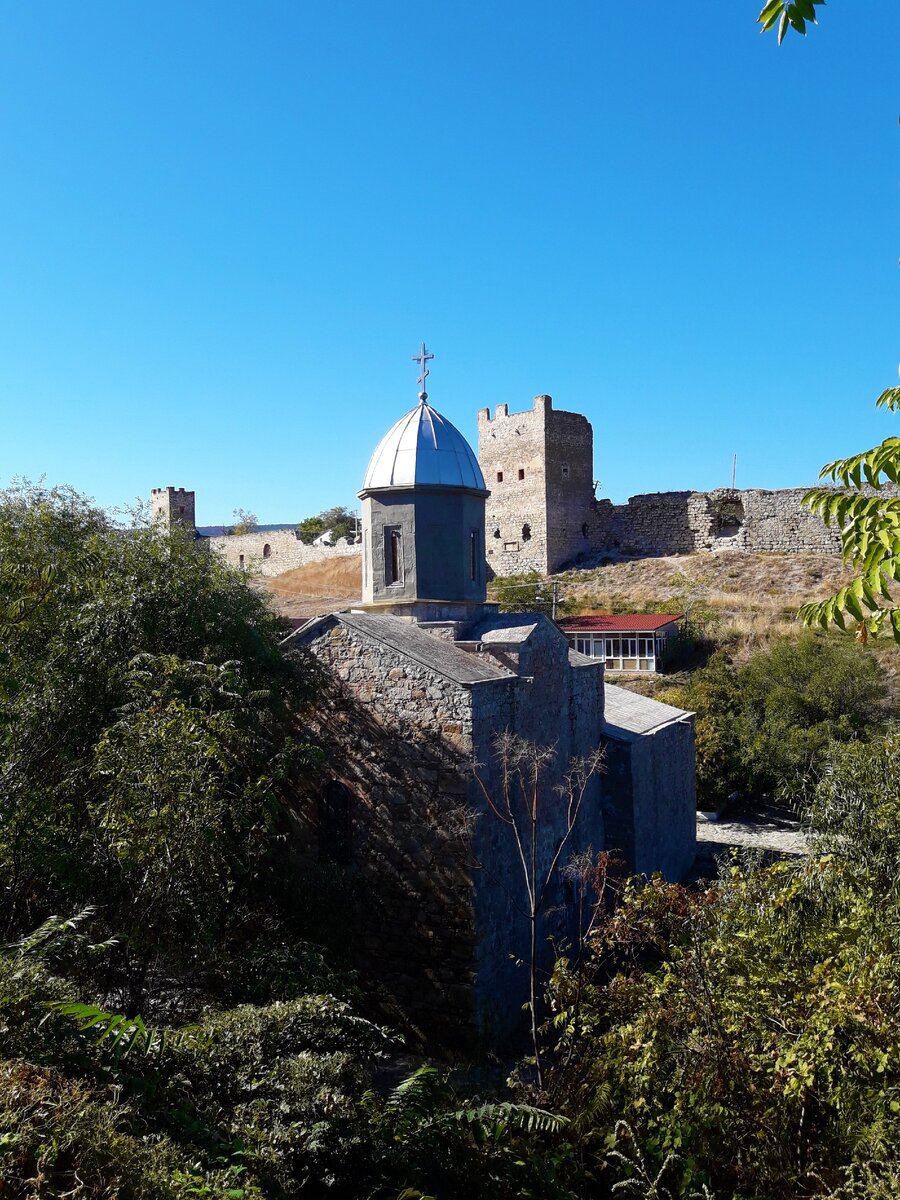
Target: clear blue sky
[[225, 227]]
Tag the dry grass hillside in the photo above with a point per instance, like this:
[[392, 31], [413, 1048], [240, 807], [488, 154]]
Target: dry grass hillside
[[316, 587], [739, 602], [747, 598]]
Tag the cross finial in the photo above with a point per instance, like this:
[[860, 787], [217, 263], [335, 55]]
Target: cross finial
[[422, 358]]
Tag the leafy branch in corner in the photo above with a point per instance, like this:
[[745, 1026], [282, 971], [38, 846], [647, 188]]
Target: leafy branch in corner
[[788, 14], [870, 535]]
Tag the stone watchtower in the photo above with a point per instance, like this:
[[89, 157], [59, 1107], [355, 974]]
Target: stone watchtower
[[173, 507], [539, 466], [423, 522]]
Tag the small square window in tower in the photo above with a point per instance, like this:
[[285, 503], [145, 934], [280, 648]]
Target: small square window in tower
[[565, 471], [499, 476], [521, 472], [393, 556]]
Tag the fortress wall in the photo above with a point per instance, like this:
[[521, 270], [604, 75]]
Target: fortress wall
[[286, 551], [684, 522]]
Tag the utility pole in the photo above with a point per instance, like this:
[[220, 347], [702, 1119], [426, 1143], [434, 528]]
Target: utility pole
[[733, 471], [554, 592]]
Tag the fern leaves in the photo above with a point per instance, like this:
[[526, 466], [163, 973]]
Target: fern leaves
[[121, 1035]]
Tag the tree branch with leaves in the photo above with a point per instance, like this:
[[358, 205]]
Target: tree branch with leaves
[[869, 521]]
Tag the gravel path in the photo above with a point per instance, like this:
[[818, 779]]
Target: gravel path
[[778, 835]]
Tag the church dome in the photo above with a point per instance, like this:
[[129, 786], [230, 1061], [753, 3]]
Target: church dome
[[423, 449]]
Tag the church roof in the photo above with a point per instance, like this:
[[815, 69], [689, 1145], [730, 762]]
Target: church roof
[[423, 449], [413, 643], [627, 714]]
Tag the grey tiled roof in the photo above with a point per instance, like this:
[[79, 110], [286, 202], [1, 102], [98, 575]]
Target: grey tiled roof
[[506, 628], [584, 660], [627, 713], [426, 649]]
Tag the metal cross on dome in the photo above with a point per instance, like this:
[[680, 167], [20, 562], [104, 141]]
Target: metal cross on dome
[[424, 356]]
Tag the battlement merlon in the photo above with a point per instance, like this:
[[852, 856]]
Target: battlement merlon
[[542, 403]]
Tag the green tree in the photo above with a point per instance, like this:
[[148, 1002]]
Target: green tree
[[150, 725], [246, 522], [770, 725], [339, 521]]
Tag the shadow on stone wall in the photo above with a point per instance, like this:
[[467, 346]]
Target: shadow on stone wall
[[389, 816]]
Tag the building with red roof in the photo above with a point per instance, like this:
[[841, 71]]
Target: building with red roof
[[626, 641]]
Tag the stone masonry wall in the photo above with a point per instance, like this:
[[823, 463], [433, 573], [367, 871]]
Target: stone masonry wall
[[686, 522], [516, 511], [570, 487], [561, 709], [555, 504], [247, 551], [398, 735]]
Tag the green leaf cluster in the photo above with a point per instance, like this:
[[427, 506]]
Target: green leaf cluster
[[788, 14], [869, 522]]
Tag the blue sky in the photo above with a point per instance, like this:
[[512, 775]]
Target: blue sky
[[225, 227]]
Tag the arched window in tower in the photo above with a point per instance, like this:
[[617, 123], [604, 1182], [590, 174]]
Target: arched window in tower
[[241, 561], [526, 533], [267, 551], [474, 554], [393, 555], [584, 530]]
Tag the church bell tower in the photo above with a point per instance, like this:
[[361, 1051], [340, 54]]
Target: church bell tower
[[423, 518]]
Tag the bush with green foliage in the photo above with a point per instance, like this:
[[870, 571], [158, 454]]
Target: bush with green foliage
[[749, 1035], [767, 726], [273, 1100], [151, 724]]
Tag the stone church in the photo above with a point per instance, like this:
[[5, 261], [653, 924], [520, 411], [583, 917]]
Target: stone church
[[420, 678]]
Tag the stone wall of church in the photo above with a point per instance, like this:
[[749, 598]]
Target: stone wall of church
[[560, 709], [270, 552], [398, 736]]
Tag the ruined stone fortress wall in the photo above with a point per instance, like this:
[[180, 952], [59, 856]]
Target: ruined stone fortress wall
[[686, 522], [262, 552], [271, 552], [542, 513]]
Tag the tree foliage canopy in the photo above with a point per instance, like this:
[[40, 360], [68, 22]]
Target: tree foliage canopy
[[769, 725], [338, 521], [148, 720]]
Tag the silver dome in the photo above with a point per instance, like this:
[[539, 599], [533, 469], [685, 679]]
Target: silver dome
[[423, 449]]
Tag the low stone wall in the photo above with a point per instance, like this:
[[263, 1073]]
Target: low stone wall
[[274, 551], [685, 522]]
